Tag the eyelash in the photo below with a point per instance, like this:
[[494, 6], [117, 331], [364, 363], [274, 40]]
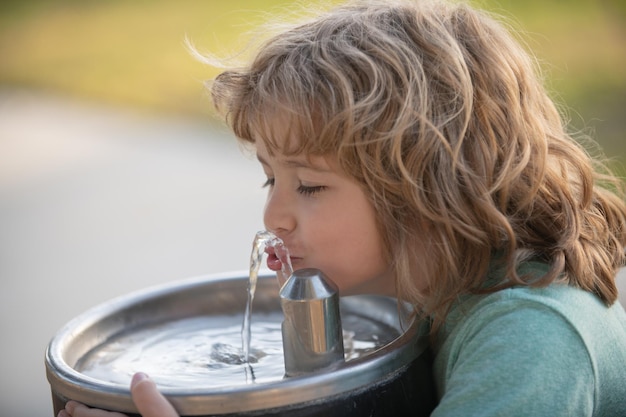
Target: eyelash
[[302, 189]]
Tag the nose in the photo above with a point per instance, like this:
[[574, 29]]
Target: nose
[[279, 214]]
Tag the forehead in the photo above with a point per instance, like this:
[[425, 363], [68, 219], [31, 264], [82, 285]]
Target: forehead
[[321, 163], [286, 133], [267, 153]]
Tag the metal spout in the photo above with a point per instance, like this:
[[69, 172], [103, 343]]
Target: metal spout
[[312, 332]]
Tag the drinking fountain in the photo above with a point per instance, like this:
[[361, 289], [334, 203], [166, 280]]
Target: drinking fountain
[[312, 352]]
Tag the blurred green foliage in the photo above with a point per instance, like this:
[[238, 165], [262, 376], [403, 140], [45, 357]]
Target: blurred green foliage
[[123, 52], [132, 52]]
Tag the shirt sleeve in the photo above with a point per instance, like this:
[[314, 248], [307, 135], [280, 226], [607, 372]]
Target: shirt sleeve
[[517, 358]]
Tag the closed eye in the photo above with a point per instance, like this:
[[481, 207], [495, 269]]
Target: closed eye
[[302, 189], [308, 191]]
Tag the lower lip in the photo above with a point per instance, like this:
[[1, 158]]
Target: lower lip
[[273, 262]]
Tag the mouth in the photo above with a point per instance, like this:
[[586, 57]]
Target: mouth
[[275, 263]]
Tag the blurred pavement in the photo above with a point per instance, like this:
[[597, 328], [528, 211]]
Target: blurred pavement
[[96, 203]]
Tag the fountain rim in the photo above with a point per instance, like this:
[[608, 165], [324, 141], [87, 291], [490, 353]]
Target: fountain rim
[[378, 366]]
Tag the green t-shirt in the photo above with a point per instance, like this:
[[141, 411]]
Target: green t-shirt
[[555, 351]]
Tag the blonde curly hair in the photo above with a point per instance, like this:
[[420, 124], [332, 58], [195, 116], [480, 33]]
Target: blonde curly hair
[[441, 115]]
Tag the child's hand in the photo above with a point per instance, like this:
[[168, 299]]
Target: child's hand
[[74, 409], [148, 400]]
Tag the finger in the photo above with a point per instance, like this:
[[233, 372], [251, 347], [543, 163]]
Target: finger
[[76, 409], [148, 400]]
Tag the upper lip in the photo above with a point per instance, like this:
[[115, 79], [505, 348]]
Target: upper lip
[[271, 251]]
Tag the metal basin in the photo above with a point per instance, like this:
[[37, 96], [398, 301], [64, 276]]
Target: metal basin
[[393, 379]]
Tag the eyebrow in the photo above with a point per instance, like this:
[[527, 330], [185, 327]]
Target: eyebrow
[[295, 163]]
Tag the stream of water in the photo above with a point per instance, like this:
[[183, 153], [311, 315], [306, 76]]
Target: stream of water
[[262, 240]]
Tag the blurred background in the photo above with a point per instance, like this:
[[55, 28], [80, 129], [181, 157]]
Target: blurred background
[[115, 176]]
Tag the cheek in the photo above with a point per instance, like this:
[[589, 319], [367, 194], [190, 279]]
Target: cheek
[[361, 269], [361, 251], [369, 256]]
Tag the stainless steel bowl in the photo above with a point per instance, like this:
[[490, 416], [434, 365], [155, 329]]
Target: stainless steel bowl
[[367, 380]]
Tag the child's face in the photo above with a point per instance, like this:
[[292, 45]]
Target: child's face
[[326, 222]]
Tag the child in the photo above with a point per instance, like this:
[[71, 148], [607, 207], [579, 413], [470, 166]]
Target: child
[[410, 149]]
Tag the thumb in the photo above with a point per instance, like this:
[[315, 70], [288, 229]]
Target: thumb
[[148, 400]]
